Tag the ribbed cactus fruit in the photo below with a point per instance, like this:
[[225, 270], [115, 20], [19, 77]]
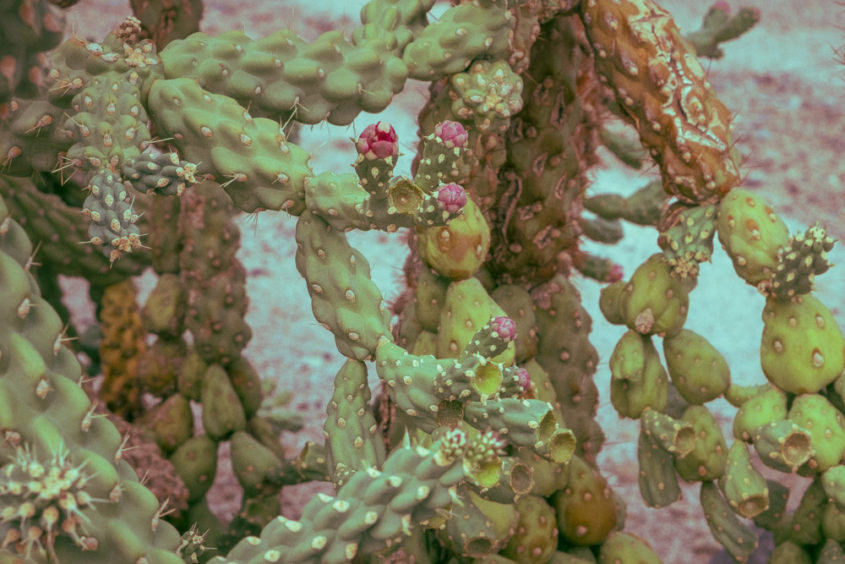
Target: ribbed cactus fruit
[[639, 380], [586, 512], [536, 532], [826, 427], [790, 552], [802, 349], [698, 371], [655, 300], [708, 459], [664, 92], [564, 351], [752, 234], [737, 538], [164, 311], [259, 167]]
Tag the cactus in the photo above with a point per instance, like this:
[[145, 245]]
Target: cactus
[[481, 439]]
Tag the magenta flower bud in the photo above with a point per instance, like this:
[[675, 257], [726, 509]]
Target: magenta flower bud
[[505, 327], [524, 379], [451, 133], [452, 198], [378, 141], [616, 273]]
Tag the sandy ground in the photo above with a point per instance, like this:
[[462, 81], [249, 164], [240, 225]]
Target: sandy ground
[[783, 82]]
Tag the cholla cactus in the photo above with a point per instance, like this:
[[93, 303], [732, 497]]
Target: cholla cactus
[[481, 440]]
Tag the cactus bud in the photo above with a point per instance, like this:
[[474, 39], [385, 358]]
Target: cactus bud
[[451, 133], [378, 141], [504, 327], [451, 198]]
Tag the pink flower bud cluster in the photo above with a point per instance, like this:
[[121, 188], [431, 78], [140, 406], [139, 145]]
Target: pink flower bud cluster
[[451, 133], [451, 198], [505, 327], [378, 141]]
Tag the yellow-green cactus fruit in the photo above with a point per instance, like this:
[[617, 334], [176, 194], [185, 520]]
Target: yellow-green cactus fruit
[[639, 380], [467, 308], [586, 511], [825, 424], [767, 406], [626, 548], [709, 458], [459, 249], [655, 301], [536, 532], [803, 349], [752, 234], [698, 370]]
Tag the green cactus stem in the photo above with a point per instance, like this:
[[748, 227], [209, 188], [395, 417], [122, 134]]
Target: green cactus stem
[[727, 529]]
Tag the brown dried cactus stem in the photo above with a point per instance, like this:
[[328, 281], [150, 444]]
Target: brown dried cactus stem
[[663, 91]]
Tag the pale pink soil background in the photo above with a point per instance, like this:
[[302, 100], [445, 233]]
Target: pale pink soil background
[[786, 88]]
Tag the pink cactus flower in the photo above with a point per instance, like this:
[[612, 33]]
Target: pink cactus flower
[[451, 133], [378, 141], [452, 198], [505, 327]]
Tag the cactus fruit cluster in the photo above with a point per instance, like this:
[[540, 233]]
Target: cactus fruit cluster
[[480, 442]]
